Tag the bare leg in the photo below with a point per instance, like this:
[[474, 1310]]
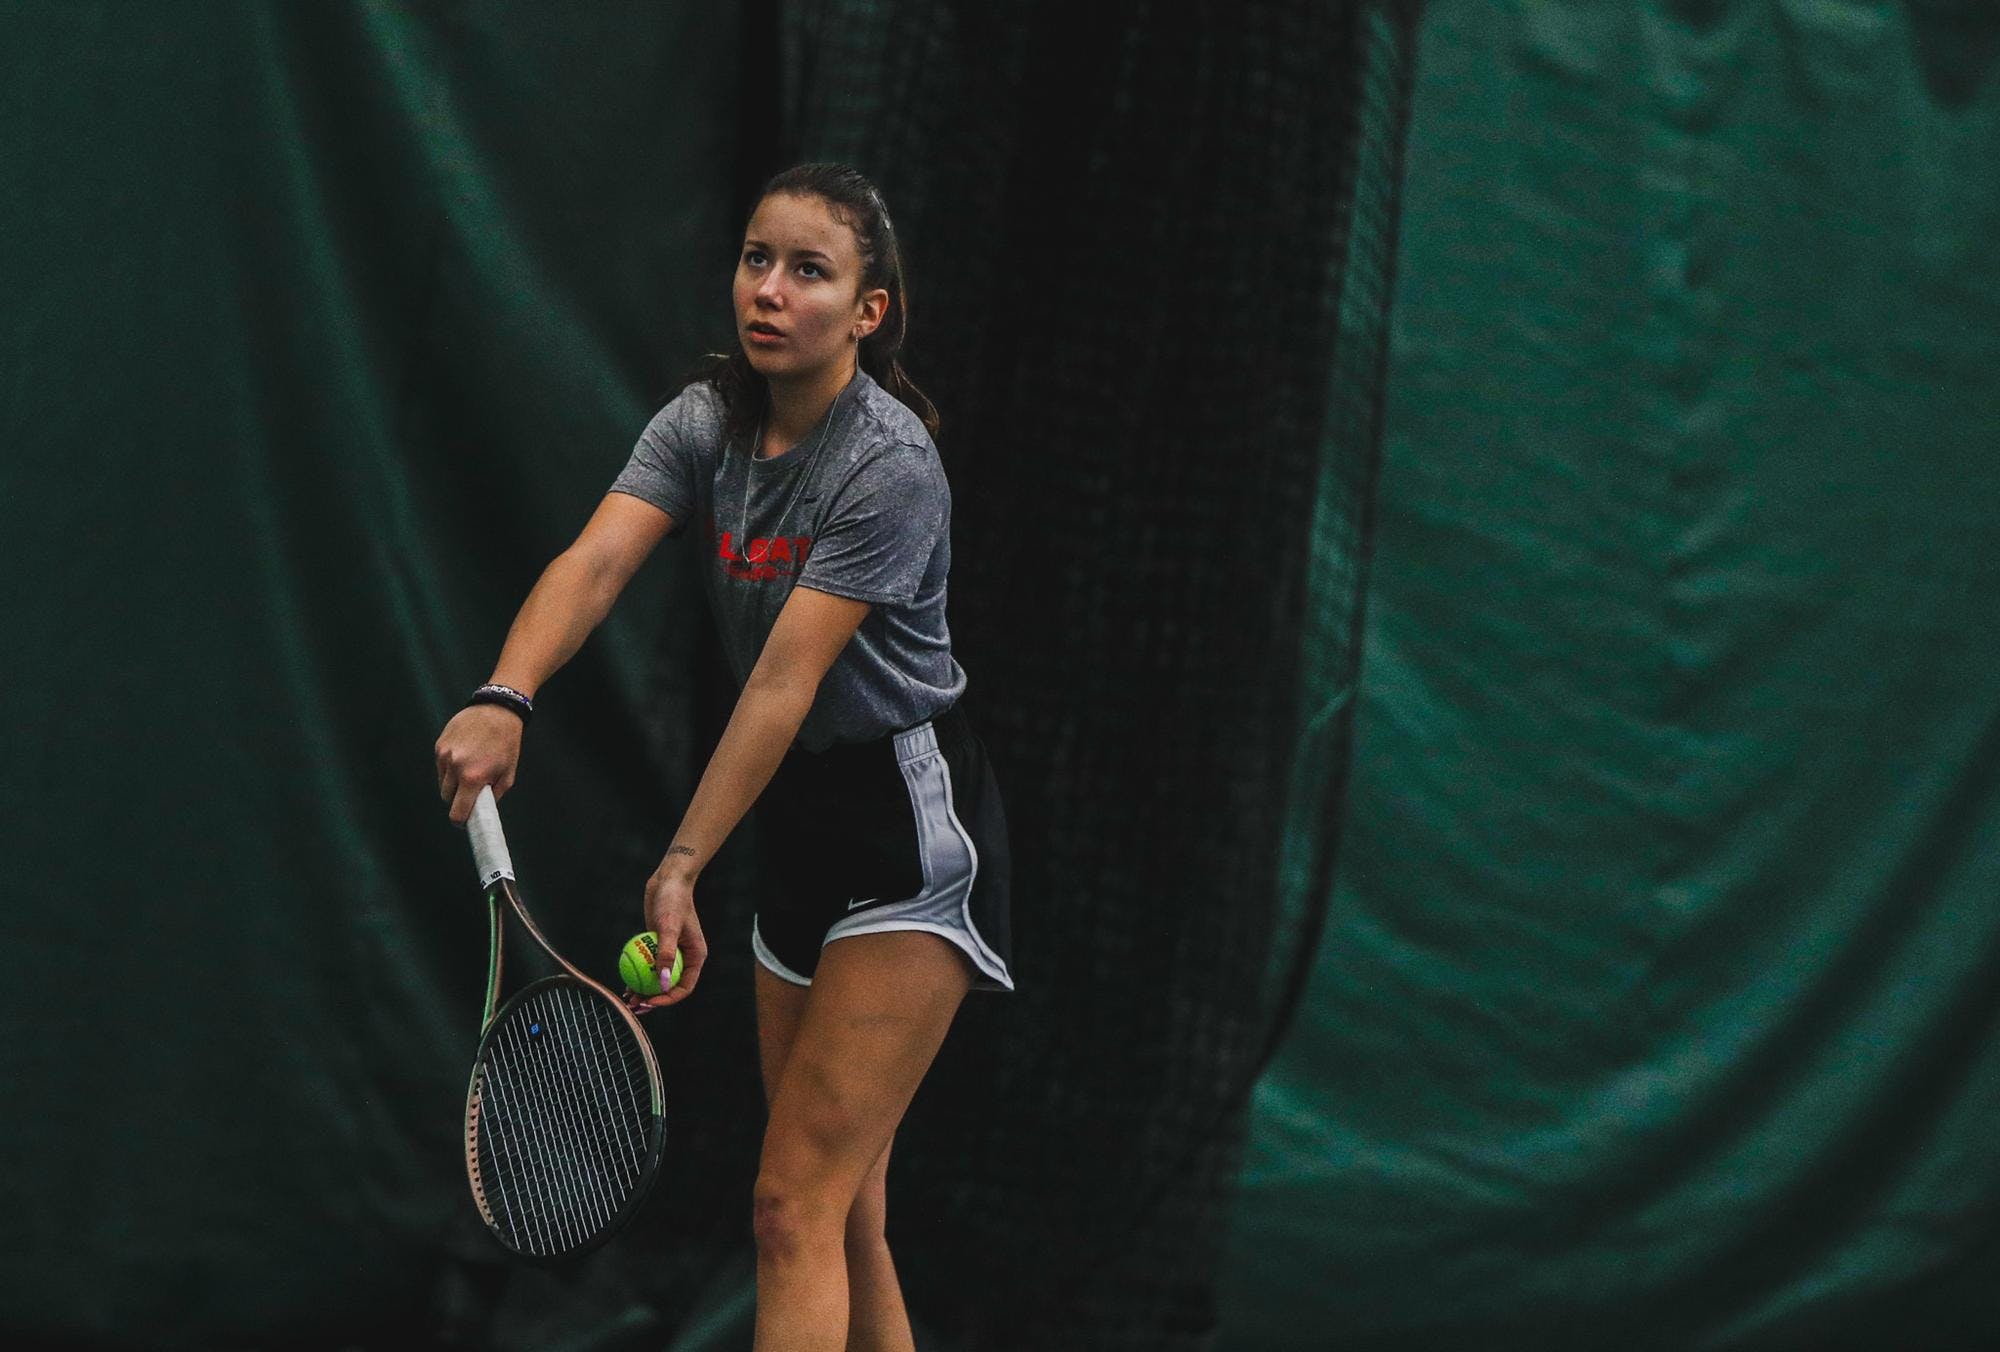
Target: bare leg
[[876, 1014], [876, 1319], [781, 1008]]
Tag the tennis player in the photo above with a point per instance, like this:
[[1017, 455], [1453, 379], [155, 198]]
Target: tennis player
[[805, 459]]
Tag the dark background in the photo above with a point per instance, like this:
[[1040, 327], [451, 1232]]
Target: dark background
[[1577, 739]]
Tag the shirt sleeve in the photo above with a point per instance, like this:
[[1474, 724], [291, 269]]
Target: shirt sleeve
[[881, 528], [661, 467]]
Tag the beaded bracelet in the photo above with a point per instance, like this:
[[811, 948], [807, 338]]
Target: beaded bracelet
[[507, 697]]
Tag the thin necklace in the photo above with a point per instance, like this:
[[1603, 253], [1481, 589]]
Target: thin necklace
[[743, 516]]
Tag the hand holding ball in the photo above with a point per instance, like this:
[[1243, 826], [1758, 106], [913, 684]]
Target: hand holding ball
[[639, 964]]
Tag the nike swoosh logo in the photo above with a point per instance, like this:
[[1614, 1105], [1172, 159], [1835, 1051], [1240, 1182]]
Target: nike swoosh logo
[[852, 903]]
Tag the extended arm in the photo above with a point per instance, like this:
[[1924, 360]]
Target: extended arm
[[809, 633], [576, 590], [481, 745]]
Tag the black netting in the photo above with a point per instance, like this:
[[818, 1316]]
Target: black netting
[[1150, 258]]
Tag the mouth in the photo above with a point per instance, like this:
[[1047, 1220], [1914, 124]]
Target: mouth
[[766, 331]]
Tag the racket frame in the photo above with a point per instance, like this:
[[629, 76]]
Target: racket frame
[[497, 879]]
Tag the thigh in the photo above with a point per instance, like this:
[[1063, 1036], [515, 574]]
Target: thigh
[[780, 1006], [876, 1014]]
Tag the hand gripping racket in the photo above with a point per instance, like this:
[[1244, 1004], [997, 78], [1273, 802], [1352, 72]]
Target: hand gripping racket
[[563, 1118]]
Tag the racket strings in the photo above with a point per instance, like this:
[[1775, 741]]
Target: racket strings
[[566, 1151], [563, 1120], [583, 1116]]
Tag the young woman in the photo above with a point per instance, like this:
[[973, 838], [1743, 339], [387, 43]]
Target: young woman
[[806, 456]]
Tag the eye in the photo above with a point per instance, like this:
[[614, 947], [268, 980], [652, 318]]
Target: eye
[[751, 255]]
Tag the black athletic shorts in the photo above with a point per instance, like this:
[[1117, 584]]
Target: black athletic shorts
[[905, 832]]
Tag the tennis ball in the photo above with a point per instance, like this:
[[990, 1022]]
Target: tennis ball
[[638, 963]]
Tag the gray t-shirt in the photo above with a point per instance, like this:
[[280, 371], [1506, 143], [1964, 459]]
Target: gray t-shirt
[[859, 508]]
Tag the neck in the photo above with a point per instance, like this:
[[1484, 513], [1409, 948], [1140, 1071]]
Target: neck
[[798, 403]]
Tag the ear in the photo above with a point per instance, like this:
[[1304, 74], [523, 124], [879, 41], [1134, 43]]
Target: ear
[[874, 304]]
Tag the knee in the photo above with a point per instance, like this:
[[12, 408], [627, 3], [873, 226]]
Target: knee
[[786, 1221]]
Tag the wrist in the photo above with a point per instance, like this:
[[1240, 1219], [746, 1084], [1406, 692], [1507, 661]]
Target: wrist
[[681, 865], [506, 697]]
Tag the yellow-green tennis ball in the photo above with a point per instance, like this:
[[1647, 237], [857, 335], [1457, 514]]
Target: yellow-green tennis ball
[[639, 964], [636, 964]]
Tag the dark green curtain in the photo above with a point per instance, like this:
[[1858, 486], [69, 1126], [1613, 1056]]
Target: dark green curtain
[[1656, 1006], [328, 326], [1653, 1004]]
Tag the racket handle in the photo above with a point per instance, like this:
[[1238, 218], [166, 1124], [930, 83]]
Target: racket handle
[[489, 846]]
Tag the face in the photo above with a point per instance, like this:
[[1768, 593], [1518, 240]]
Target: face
[[800, 272]]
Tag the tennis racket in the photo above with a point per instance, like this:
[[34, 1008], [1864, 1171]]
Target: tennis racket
[[563, 1118]]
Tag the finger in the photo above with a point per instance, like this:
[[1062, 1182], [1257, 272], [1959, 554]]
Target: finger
[[684, 987], [663, 956], [666, 996], [462, 801]]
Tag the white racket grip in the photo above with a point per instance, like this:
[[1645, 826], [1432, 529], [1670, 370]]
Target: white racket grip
[[489, 846]]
